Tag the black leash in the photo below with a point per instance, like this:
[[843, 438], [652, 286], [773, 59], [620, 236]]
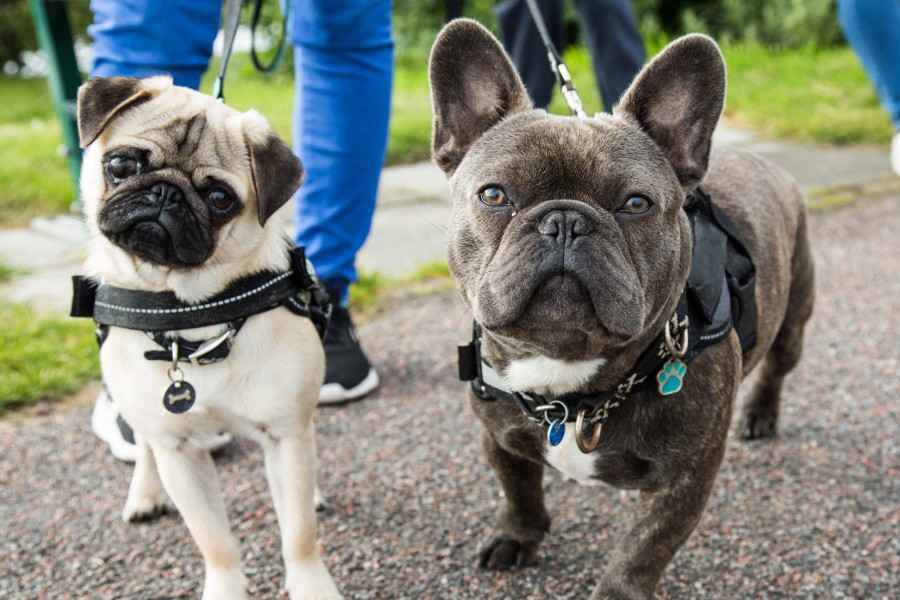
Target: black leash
[[279, 49], [230, 24], [559, 68]]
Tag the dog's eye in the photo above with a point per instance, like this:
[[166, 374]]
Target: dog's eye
[[219, 199], [636, 205], [493, 195], [122, 167]]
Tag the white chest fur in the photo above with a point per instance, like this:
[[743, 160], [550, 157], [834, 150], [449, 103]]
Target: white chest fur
[[544, 375]]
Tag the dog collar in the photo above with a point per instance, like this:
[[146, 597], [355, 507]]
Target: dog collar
[[160, 314], [718, 296]]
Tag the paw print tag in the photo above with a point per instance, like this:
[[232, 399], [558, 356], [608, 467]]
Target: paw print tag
[[670, 378]]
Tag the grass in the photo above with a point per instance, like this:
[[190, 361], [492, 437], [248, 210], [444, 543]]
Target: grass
[[373, 291], [7, 273], [42, 357], [808, 94]]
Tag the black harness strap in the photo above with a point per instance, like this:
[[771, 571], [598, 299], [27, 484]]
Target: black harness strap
[[158, 314]]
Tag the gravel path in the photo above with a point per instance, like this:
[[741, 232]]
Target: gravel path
[[815, 514]]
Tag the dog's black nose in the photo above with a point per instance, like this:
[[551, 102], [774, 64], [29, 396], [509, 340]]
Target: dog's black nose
[[564, 226], [166, 193]]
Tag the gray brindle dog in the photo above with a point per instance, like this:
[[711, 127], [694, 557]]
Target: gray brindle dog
[[570, 245]]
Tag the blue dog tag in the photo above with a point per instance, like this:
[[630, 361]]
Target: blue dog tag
[[556, 432]]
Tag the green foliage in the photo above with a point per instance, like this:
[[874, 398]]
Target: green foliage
[[416, 22], [777, 23], [17, 30], [42, 357]]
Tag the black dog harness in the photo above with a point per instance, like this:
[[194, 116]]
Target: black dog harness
[[719, 296], [159, 314]]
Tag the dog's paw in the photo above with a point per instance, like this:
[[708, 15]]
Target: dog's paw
[[227, 584], [759, 425], [502, 553], [144, 508], [310, 581]]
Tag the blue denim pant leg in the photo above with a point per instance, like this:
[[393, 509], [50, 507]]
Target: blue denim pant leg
[[343, 54], [873, 29], [140, 38]]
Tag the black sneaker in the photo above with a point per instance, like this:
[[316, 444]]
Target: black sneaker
[[348, 373]]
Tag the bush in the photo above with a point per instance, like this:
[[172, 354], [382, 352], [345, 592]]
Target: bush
[[774, 23], [17, 30]]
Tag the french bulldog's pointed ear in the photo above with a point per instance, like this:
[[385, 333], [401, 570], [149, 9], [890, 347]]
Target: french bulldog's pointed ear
[[275, 171], [102, 98], [677, 100], [473, 86]]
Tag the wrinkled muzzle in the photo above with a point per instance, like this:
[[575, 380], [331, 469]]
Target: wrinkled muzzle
[[562, 266], [161, 224]]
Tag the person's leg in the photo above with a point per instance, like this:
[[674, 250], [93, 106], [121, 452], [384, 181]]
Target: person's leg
[[344, 57], [615, 44], [140, 38], [523, 43], [873, 29]]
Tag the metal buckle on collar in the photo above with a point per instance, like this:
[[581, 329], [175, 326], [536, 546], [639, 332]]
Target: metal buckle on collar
[[211, 345]]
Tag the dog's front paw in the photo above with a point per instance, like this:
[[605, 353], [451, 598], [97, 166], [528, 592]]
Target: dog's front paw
[[310, 581], [759, 424], [224, 584], [502, 553], [144, 507]]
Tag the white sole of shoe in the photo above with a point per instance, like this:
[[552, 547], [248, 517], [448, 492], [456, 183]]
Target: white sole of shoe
[[335, 393], [104, 426]]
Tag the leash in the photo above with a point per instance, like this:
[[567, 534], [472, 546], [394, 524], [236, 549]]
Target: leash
[[559, 68], [230, 24]]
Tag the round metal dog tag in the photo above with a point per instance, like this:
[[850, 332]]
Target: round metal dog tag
[[179, 397]]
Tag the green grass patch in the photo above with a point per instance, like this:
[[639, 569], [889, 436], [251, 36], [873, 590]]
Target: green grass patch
[[7, 273], [34, 177], [808, 94], [42, 357], [373, 291]]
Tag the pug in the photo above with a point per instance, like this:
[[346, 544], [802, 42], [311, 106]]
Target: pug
[[184, 196], [571, 244]]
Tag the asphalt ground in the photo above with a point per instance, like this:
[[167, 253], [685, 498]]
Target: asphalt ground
[[813, 514]]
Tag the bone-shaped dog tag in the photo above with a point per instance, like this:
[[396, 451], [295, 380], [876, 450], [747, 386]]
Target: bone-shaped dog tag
[[179, 397]]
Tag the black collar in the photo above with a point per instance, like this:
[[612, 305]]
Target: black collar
[[704, 316], [296, 289]]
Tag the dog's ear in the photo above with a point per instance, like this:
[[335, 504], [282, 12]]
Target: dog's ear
[[102, 98], [677, 100], [275, 171], [473, 86]]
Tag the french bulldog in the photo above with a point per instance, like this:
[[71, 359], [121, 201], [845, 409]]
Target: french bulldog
[[571, 247], [184, 194]]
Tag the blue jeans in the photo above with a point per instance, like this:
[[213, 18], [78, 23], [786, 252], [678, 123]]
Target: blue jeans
[[344, 55], [873, 29]]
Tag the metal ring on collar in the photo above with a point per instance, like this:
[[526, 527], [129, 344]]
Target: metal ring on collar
[[587, 446], [677, 350], [546, 411]]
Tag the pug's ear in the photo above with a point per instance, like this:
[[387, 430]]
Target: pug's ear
[[275, 171], [102, 98], [473, 86], [677, 100]]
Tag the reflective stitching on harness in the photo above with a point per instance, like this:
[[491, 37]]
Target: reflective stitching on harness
[[163, 311]]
